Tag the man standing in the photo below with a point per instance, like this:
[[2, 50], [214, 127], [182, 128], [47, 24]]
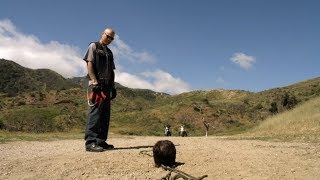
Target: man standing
[[101, 91]]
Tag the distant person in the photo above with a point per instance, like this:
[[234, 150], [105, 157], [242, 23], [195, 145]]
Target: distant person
[[101, 90], [167, 131], [206, 125], [183, 132]]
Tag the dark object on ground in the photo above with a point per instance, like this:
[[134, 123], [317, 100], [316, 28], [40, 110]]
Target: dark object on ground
[[164, 153]]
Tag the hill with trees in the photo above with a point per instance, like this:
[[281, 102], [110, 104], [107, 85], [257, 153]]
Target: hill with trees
[[44, 101], [16, 79]]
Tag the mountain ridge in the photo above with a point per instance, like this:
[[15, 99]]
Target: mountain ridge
[[17, 79]]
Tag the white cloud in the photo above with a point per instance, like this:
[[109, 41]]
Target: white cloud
[[123, 51], [243, 60], [132, 81], [164, 81], [157, 80], [29, 51]]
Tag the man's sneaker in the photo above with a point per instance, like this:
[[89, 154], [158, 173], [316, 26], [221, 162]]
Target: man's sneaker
[[93, 147], [106, 146]]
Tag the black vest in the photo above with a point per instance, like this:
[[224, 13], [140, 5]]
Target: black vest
[[104, 65]]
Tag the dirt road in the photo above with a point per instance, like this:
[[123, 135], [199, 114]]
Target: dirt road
[[216, 157]]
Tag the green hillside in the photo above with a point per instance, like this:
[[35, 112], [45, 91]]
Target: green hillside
[[223, 109], [16, 79], [227, 111], [61, 105], [301, 91], [302, 122]]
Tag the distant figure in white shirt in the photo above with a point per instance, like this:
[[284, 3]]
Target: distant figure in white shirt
[[167, 131]]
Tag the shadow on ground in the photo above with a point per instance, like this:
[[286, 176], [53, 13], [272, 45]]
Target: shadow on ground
[[132, 147]]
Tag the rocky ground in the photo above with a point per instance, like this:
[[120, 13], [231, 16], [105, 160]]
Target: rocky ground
[[217, 157]]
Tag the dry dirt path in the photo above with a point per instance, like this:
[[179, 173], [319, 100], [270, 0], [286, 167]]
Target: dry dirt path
[[219, 158]]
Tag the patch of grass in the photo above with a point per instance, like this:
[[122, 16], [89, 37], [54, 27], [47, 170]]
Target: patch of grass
[[301, 123], [31, 119], [6, 136]]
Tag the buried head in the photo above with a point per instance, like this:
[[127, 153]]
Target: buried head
[[164, 153]]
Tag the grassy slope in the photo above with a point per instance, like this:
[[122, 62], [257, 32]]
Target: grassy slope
[[302, 122]]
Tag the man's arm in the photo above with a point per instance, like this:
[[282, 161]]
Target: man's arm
[[91, 73], [89, 58]]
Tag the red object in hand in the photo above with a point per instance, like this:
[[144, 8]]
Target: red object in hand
[[97, 97]]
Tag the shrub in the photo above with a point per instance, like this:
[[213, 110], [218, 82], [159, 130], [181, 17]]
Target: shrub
[[289, 101], [274, 107], [259, 106], [31, 120], [1, 124], [21, 102]]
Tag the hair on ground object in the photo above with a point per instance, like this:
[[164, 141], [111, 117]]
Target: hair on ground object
[[164, 153]]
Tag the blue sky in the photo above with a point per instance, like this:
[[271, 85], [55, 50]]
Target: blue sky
[[171, 46]]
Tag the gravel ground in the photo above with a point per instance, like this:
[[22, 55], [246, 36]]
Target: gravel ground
[[217, 157]]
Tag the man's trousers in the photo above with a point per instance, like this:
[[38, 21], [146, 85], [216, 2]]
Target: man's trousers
[[98, 116]]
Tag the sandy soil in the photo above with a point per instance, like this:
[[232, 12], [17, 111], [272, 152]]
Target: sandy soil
[[216, 157]]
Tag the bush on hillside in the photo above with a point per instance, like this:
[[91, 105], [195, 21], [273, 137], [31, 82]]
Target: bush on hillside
[[274, 107], [289, 101], [63, 122], [258, 106], [1, 124], [37, 120], [30, 120]]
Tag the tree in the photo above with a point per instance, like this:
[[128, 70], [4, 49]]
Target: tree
[[274, 107], [289, 101]]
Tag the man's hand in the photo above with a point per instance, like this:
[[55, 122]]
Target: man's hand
[[113, 93], [96, 87]]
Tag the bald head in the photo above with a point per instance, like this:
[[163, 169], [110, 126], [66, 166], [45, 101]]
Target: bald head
[[107, 36], [109, 31]]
